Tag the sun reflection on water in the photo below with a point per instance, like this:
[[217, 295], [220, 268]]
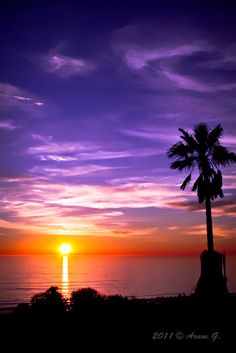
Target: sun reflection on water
[[65, 276]]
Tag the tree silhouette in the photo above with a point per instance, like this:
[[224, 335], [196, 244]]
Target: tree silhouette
[[50, 303], [203, 151], [85, 301]]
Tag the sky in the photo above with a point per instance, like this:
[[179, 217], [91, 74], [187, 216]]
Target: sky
[[92, 94]]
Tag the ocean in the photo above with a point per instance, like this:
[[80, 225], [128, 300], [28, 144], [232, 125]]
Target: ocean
[[23, 276]]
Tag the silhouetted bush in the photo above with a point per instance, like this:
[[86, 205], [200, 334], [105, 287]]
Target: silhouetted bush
[[116, 299], [86, 300], [49, 303]]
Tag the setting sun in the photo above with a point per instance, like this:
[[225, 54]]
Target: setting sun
[[65, 249]]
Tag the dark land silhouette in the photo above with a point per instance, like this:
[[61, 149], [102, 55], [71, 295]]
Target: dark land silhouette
[[93, 320], [202, 150]]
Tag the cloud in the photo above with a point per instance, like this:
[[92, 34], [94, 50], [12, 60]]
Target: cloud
[[139, 58], [8, 125], [68, 172], [14, 96], [55, 147], [229, 182], [162, 135], [229, 140], [192, 84], [39, 205], [84, 151], [100, 154], [220, 231], [43, 192], [220, 208], [103, 155], [57, 158], [131, 195], [224, 59], [173, 228], [66, 66], [41, 138], [50, 208], [183, 62]]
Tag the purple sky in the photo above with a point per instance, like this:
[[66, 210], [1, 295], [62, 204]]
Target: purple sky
[[91, 97]]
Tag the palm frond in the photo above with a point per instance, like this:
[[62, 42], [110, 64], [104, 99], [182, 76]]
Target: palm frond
[[189, 139], [216, 185], [200, 186], [187, 163], [195, 185], [186, 182], [222, 157], [179, 149], [219, 178], [215, 135], [201, 190]]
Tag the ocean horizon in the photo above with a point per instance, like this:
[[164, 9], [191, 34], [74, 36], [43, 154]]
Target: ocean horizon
[[141, 276]]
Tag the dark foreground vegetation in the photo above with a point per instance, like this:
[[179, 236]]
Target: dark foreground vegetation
[[92, 320]]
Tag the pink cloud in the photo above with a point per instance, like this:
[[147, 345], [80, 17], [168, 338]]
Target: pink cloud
[[57, 158], [69, 172], [219, 231], [135, 195], [56, 148], [230, 140], [8, 125], [57, 151], [40, 202], [220, 208], [139, 58], [67, 209], [13, 95], [66, 66], [100, 154]]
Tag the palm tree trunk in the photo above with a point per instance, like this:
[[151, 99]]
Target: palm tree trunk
[[210, 244]]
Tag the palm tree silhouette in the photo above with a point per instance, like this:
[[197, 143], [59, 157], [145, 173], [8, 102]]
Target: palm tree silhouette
[[203, 151]]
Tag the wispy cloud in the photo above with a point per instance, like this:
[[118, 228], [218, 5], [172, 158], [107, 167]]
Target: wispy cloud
[[84, 151], [176, 63], [41, 138], [139, 58], [69, 172], [66, 66], [230, 140], [57, 158], [52, 208], [15, 96], [131, 153], [220, 231], [57, 147], [220, 208], [8, 125], [154, 134], [173, 228], [192, 84]]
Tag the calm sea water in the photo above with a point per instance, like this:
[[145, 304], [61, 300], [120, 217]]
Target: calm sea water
[[23, 276]]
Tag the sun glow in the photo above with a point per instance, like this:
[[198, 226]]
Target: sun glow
[[65, 249]]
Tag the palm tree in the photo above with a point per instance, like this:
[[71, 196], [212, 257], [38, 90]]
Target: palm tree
[[202, 150]]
